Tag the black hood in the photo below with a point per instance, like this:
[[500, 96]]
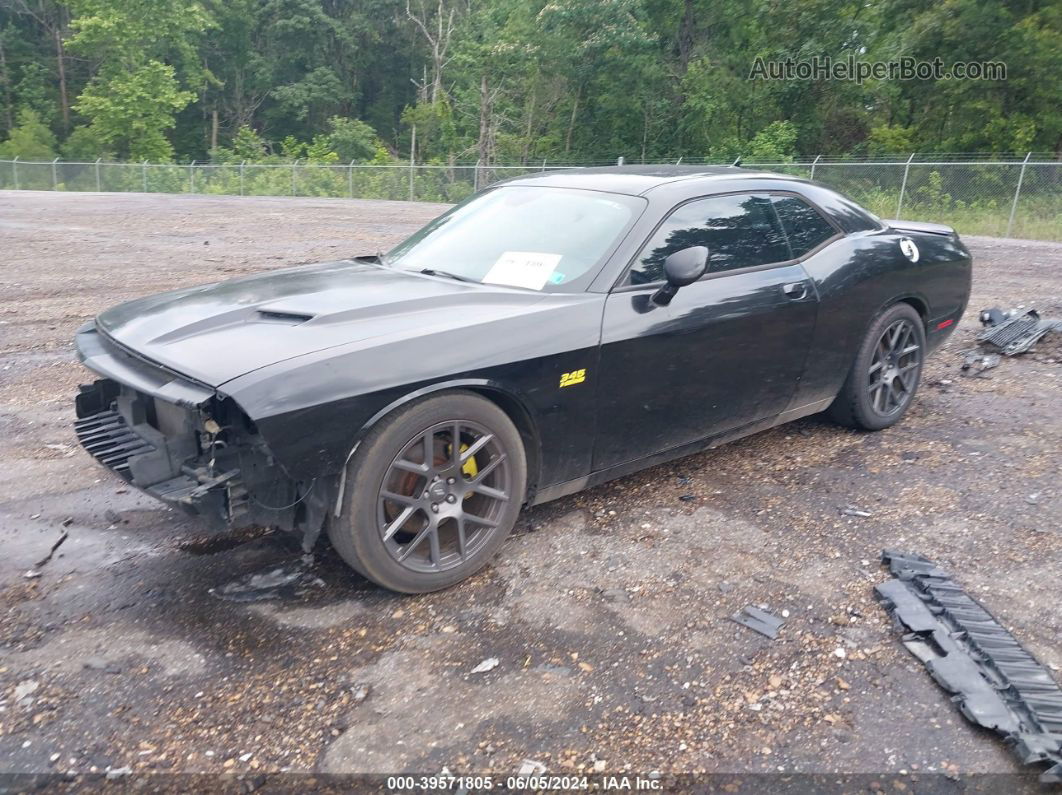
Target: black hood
[[218, 332]]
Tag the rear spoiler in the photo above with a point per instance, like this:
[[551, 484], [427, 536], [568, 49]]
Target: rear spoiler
[[920, 226]]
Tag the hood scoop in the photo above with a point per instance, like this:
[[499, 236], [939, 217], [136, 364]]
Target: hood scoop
[[279, 316]]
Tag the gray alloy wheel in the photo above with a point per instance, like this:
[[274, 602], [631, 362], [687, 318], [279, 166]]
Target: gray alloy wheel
[[443, 496], [893, 372], [884, 378], [433, 491]]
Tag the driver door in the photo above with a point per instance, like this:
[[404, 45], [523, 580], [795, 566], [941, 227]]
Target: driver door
[[727, 351]]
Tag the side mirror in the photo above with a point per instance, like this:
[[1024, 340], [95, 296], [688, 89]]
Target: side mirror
[[681, 268]]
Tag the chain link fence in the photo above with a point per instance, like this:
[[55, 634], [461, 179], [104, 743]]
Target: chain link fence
[[1009, 198]]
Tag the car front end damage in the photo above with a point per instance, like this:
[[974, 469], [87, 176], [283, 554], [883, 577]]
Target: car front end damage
[[186, 444]]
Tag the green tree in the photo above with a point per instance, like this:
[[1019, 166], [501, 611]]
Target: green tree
[[34, 91], [524, 80], [308, 95], [890, 139], [29, 139], [774, 143], [145, 48], [352, 139], [132, 111], [248, 145], [599, 48], [1015, 114], [84, 143]]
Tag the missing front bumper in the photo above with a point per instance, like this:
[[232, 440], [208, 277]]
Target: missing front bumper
[[155, 446], [206, 459]]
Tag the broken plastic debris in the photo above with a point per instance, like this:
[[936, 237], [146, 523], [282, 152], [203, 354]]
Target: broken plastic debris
[[758, 621], [1019, 333], [531, 767], [978, 361], [994, 681], [488, 664], [993, 316], [273, 583], [851, 510]]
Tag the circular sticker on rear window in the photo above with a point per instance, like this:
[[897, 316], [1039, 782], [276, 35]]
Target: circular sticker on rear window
[[909, 249]]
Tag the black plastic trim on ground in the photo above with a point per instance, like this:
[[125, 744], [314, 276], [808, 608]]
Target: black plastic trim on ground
[[1017, 334], [995, 682]]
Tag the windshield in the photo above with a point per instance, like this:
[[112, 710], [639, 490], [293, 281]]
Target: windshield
[[537, 238]]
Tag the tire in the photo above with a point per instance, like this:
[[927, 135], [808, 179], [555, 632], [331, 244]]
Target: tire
[[414, 522], [884, 378]]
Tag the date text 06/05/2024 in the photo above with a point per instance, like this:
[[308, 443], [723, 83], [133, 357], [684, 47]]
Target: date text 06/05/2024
[[537, 783]]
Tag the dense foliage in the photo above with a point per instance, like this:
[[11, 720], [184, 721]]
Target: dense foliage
[[504, 81]]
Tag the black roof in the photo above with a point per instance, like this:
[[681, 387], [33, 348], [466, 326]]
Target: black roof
[[637, 180]]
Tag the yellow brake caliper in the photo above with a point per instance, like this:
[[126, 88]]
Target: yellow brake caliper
[[470, 468]]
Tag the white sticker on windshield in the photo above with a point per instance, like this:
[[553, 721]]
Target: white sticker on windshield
[[530, 269]]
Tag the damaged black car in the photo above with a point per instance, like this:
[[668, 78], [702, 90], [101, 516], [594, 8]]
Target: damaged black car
[[548, 334]]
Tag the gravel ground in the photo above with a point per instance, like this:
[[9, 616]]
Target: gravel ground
[[607, 611]]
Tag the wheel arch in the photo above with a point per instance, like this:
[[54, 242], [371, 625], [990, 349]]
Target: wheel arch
[[917, 302], [509, 401]]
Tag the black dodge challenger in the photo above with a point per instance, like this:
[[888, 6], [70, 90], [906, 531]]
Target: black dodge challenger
[[546, 335]]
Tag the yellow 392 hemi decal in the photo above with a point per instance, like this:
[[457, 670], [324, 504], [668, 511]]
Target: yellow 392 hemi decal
[[573, 378]]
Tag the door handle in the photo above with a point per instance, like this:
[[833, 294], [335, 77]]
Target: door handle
[[795, 290]]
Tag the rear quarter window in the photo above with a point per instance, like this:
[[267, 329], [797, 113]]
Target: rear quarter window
[[844, 212], [804, 225]]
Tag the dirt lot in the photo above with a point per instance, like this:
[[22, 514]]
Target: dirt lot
[[607, 611]]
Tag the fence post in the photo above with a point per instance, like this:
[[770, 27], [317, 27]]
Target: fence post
[[619, 160], [903, 184], [293, 167], [242, 164], [191, 177], [350, 179], [98, 188], [55, 175], [412, 159], [813, 164], [543, 164], [1017, 192], [14, 170], [143, 173], [475, 177]]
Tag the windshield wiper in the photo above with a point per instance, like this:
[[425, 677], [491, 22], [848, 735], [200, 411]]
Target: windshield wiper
[[447, 274]]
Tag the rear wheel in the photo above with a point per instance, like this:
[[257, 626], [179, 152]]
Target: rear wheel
[[886, 372], [432, 493]]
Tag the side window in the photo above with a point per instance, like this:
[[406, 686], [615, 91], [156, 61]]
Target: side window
[[803, 225], [740, 231]]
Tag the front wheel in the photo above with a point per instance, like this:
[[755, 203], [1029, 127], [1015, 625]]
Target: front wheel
[[432, 493], [886, 372]]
